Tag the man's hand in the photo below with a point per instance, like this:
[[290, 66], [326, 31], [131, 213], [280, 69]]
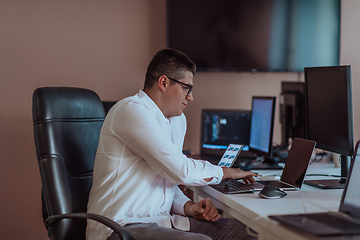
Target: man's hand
[[202, 210], [236, 173]]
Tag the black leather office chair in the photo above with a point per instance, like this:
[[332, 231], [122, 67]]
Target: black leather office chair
[[67, 123]]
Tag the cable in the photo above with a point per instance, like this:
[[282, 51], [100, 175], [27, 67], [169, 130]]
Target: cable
[[315, 204], [316, 159], [304, 207]]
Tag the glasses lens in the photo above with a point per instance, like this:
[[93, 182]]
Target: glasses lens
[[187, 85], [190, 90]]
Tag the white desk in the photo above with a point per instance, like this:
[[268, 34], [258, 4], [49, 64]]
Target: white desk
[[252, 210]]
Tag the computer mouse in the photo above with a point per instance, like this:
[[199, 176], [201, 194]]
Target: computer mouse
[[272, 192]]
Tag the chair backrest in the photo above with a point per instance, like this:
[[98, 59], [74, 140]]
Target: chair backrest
[[67, 124]]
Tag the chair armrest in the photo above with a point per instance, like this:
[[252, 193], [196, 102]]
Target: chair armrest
[[123, 234]]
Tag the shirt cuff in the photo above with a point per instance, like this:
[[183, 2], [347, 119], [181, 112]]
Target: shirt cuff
[[219, 173], [178, 204]]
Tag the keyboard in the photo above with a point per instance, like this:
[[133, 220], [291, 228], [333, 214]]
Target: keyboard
[[334, 221], [232, 186], [321, 224]]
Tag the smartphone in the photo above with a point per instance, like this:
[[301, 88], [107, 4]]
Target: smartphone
[[230, 155]]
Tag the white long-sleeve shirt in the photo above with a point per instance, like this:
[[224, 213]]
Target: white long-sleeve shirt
[[138, 165]]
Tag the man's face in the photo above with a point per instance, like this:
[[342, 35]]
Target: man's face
[[178, 96]]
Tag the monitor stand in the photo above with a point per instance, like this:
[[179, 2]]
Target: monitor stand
[[265, 164], [333, 183]]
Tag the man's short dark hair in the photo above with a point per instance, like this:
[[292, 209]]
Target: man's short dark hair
[[169, 62]]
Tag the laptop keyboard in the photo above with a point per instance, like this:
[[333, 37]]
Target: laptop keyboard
[[232, 186], [332, 220]]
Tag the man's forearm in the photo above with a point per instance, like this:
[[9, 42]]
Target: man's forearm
[[187, 206], [227, 172], [236, 173]]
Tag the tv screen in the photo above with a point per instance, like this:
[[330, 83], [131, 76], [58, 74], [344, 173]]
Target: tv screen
[[255, 35]]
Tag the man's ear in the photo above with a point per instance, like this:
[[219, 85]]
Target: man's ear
[[163, 82]]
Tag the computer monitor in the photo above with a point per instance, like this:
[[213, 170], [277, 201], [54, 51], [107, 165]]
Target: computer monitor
[[329, 118], [292, 111], [220, 127], [261, 131]]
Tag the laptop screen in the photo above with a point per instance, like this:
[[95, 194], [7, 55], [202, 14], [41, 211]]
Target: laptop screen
[[297, 161], [351, 197], [220, 127]]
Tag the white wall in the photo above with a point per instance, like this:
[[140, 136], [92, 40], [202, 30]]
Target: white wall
[[350, 53], [101, 45]]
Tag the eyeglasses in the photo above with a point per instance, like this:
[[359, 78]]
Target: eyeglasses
[[190, 87]]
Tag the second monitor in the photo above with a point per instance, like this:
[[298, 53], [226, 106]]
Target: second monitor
[[261, 132], [220, 127]]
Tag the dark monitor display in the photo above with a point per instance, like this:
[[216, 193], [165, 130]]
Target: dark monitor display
[[262, 125], [292, 111], [329, 118], [255, 35], [329, 108], [219, 128]]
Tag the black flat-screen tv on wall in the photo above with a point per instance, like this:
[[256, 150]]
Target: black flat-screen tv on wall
[[255, 35]]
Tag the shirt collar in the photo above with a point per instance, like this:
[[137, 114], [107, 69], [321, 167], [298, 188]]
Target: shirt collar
[[151, 105]]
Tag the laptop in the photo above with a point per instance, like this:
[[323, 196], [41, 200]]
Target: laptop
[[345, 221], [295, 167], [231, 186], [293, 174]]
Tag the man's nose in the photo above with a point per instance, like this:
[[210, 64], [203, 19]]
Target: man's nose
[[190, 97]]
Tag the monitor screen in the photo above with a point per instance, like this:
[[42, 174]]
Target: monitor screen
[[223, 127], [329, 108], [255, 35], [262, 125]]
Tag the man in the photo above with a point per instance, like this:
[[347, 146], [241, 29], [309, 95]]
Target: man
[[139, 162]]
